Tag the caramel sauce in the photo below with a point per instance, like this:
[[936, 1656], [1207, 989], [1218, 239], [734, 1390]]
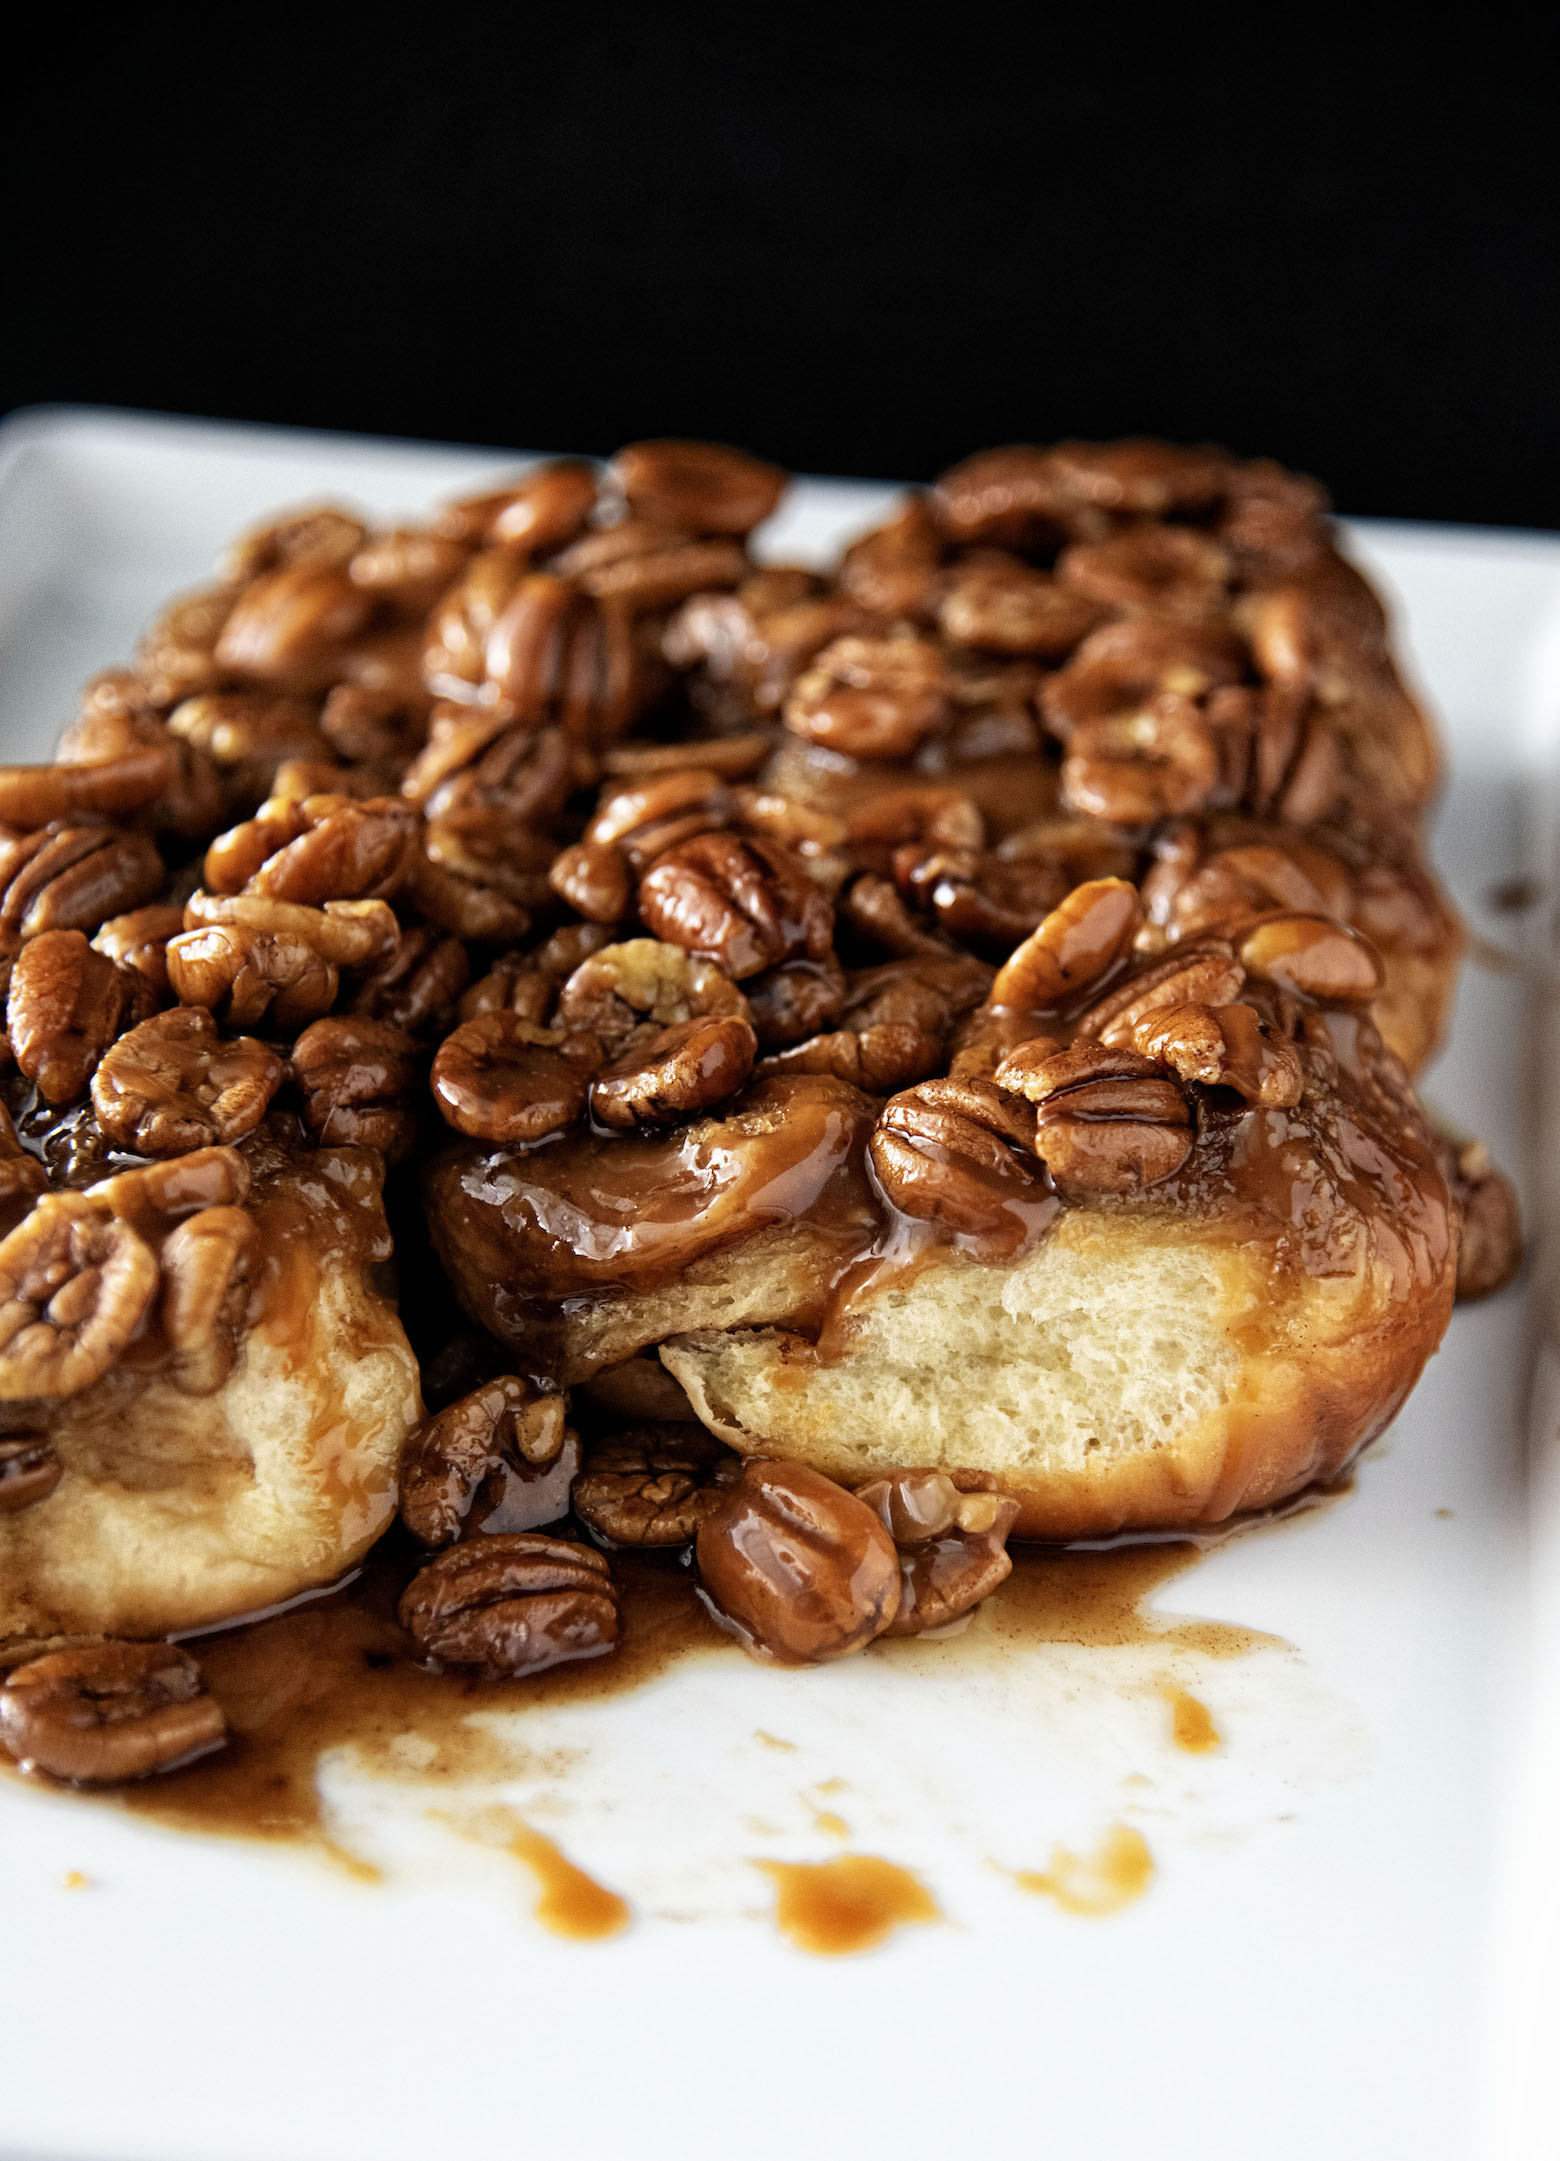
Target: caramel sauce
[[1118, 1871], [571, 1903], [332, 1671], [1191, 1723], [851, 1903]]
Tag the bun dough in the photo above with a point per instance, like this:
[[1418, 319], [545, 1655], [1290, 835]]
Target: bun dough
[[177, 1511], [1128, 1375]]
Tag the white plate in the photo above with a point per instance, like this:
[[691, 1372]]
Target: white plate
[[1313, 1968]]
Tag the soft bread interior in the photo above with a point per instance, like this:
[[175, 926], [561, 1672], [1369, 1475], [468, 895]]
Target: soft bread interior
[[1126, 1373], [176, 1511]]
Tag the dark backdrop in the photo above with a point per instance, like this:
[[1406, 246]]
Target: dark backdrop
[[854, 246]]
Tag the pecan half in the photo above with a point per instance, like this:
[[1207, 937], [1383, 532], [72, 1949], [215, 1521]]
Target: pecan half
[[253, 957], [952, 1545], [798, 999], [1203, 971], [323, 848], [501, 1459], [595, 881], [894, 571], [360, 1081], [74, 877], [704, 486], [796, 1567], [161, 1194], [747, 904], [1227, 1046], [1314, 956], [318, 537], [416, 987], [139, 940], [878, 1058], [1009, 608], [1106, 1121], [652, 1485], [623, 994], [1171, 570], [984, 899], [537, 515], [106, 1712], [660, 812], [206, 1264], [512, 1604], [642, 567], [1490, 1249], [870, 697], [686, 1069], [1122, 668], [172, 1085], [287, 627], [1134, 768], [501, 1079], [64, 1007], [75, 1285], [1011, 497], [1082, 937], [960, 1153]]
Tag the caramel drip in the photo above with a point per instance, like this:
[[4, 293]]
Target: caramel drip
[[571, 1903], [1191, 1723], [833, 1908], [1117, 1872]]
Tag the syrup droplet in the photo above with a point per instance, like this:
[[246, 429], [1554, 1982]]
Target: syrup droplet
[[1119, 1870], [572, 1903], [833, 1908], [1191, 1723]]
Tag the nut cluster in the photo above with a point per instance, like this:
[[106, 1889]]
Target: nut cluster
[[1037, 845]]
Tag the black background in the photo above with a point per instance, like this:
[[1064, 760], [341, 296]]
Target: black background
[[860, 243]]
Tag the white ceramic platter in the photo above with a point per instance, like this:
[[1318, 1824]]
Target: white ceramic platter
[[1314, 1967]]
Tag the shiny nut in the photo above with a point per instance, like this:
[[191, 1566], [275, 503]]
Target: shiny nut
[[870, 697], [747, 904], [652, 1485], [512, 1604], [139, 940], [879, 1058], [1082, 937], [595, 881], [797, 1567], [207, 1261], [960, 1153], [74, 1288], [74, 877], [622, 993], [173, 1084], [501, 1079], [1106, 1121], [64, 1007], [1314, 956], [360, 1080], [1223, 1047], [686, 1069], [703, 486], [501, 1459], [952, 1545], [1008, 608], [1202, 971], [107, 1712]]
